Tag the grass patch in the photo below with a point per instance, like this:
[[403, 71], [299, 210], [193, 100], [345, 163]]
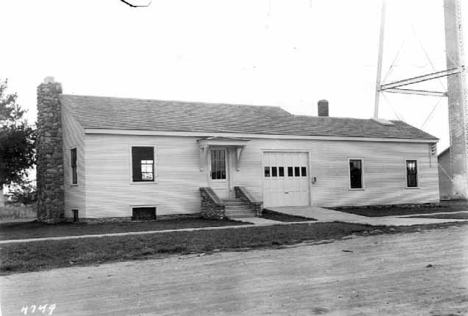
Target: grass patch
[[42, 255], [281, 217], [25, 230], [443, 216], [445, 207]]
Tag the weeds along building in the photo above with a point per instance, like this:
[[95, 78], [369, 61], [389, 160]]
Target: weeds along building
[[106, 158]]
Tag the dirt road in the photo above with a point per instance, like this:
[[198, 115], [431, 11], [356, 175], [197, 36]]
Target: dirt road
[[422, 273]]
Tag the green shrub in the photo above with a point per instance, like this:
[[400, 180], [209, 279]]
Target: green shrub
[[25, 193]]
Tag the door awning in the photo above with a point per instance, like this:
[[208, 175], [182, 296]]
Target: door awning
[[237, 143]]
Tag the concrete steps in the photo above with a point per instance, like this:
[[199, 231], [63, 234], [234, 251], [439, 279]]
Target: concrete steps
[[237, 209]]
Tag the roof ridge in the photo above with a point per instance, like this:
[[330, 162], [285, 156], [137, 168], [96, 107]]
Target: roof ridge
[[334, 117], [179, 101], [344, 118]]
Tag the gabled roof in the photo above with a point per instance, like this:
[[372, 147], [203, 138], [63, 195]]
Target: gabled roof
[[174, 116]]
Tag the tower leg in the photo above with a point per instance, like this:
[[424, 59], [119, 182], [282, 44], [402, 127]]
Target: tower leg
[[457, 102]]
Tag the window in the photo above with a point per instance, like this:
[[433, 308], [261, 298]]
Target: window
[[274, 171], [218, 164], [143, 164], [74, 174], [297, 172], [76, 217], [143, 213], [281, 171], [355, 173], [411, 173]]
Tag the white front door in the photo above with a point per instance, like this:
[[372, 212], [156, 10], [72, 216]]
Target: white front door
[[219, 172], [285, 179]]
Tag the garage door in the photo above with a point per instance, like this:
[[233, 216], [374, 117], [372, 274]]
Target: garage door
[[285, 179]]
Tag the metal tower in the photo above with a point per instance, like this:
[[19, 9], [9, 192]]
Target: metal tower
[[456, 92]]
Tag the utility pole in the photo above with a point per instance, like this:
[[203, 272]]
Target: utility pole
[[457, 99]]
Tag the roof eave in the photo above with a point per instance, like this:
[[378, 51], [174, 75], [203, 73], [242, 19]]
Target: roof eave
[[104, 131]]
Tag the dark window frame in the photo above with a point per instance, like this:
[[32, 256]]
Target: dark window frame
[[356, 176], [411, 177], [74, 165], [144, 166]]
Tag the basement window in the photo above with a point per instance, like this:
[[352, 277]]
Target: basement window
[[143, 164], [355, 174], [411, 173], [143, 213]]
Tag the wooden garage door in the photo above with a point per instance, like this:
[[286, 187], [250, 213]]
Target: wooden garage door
[[285, 179]]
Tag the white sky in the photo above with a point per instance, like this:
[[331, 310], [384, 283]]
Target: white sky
[[262, 52]]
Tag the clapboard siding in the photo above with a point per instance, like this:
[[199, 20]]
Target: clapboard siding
[[73, 137], [384, 171], [110, 193]]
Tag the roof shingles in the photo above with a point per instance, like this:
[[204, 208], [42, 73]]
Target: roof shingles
[[174, 116]]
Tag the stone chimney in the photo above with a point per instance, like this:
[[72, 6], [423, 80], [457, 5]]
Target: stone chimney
[[323, 108], [49, 150]]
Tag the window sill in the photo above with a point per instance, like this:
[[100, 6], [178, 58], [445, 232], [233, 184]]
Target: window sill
[[413, 188], [73, 185], [361, 189], [144, 183]]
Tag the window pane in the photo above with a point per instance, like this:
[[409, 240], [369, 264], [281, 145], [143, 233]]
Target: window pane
[[281, 171], [297, 172], [290, 172], [142, 164], [304, 171], [144, 213], [146, 176], [218, 164], [355, 173], [73, 166], [73, 157], [267, 172], [411, 174], [274, 172]]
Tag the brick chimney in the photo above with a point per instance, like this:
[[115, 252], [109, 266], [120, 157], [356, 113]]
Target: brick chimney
[[49, 150], [323, 108]]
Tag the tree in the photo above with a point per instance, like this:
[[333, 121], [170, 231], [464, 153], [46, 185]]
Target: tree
[[17, 141]]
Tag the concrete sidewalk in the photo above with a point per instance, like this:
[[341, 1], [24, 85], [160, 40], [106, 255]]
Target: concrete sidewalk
[[256, 221], [317, 213], [327, 215]]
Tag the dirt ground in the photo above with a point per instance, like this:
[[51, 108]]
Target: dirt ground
[[424, 273]]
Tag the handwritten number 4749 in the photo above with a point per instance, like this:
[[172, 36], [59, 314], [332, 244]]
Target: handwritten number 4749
[[43, 309]]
